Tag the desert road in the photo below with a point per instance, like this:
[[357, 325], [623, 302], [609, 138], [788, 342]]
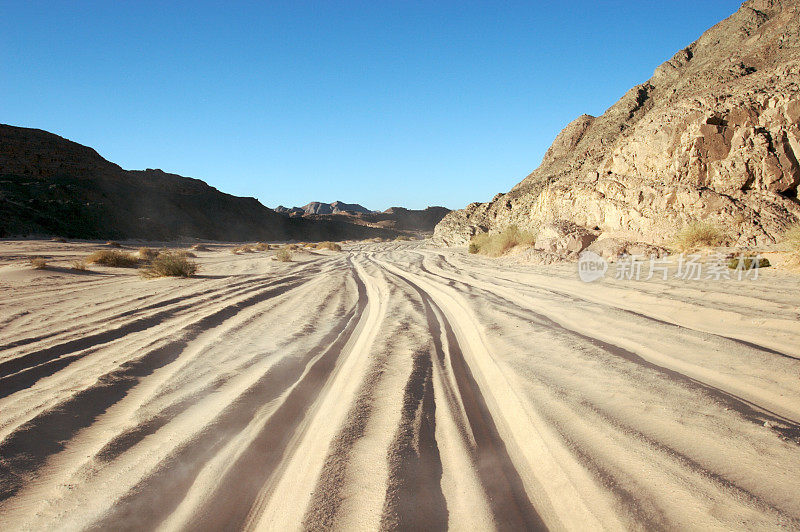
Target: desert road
[[396, 386]]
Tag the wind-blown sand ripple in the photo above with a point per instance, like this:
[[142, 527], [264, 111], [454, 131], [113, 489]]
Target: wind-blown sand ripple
[[394, 386]]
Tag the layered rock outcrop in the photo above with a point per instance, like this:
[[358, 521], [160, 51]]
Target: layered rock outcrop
[[714, 135]]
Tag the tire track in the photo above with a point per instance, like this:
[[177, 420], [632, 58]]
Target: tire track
[[511, 507], [26, 448]]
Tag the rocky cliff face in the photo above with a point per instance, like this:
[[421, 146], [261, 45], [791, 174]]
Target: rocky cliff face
[[714, 135]]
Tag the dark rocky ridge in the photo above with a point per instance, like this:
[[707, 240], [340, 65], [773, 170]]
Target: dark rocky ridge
[[52, 186]]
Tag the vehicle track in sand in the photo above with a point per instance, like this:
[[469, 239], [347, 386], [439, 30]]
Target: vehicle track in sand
[[396, 387]]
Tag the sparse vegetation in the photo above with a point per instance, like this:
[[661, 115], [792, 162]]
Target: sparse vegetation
[[496, 244], [746, 263], [38, 263], [201, 247], [246, 248], [792, 239], [60, 239], [283, 255], [79, 265], [333, 246], [117, 259], [147, 253], [170, 264], [697, 235], [113, 244], [292, 247], [262, 246]]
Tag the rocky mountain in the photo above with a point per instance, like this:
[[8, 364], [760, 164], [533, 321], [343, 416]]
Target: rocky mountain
[[714, 135], [398, 218], [52, 186], [337, 207], [293, 211], [414, 220], [316, 207]]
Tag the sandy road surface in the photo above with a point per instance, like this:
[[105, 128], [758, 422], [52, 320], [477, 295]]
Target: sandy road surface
[[395, 386]]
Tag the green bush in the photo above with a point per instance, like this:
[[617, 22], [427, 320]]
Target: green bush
[[170, 264]]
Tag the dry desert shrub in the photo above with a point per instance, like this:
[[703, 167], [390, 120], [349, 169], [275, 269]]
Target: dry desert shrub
[[246, 248], [200, 247], [696, 235], [333, 246], [79, 265], [792, 240], [292, 247], [60, 239], [147, 253], [747, 263], [262, 246], [113, 244], [496, 244], [117, 259], [38, 263], [170, 264], [403, 238], [283, 255]]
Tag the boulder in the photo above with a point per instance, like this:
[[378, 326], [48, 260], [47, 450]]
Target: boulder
[[564, 236]]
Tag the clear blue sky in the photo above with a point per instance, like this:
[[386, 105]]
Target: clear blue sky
[[381, 103]]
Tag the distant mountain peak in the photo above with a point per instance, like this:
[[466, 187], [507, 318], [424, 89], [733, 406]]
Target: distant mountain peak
[[317, 207]]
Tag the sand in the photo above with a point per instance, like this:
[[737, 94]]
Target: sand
[[393, 386]]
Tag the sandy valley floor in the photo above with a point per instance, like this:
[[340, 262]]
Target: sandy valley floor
[[393, 385]]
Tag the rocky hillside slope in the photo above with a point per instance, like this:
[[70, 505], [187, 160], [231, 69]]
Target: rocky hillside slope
[[714, 135], [52, 186]]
